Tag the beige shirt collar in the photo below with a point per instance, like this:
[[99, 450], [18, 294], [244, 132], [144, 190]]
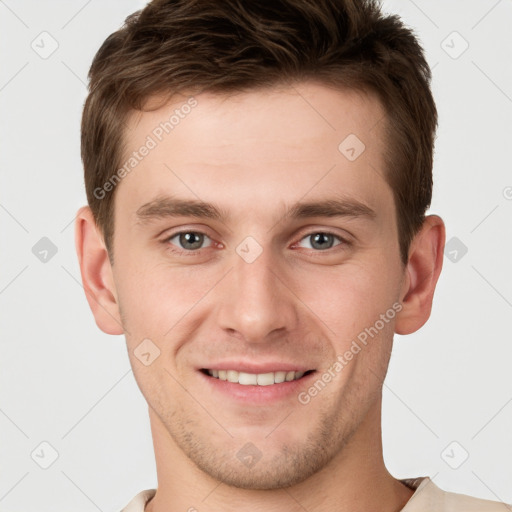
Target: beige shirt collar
[[426, 498]]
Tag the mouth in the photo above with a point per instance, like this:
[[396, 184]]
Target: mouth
[[256, 379]]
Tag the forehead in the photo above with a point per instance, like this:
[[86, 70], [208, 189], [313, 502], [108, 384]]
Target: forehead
[[276, 143]]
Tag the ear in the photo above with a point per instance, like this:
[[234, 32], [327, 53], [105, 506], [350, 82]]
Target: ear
[[421, 275], [96, 273]]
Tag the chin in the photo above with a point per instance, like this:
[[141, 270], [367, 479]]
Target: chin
[[247, 467]]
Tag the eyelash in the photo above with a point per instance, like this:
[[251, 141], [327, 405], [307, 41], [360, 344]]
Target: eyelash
[[188, 252]]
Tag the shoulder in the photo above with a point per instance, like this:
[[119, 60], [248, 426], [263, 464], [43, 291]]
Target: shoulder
[[429, 496], [138, 503], [454, 501]]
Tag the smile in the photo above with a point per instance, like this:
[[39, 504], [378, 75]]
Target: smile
[[255, 379]]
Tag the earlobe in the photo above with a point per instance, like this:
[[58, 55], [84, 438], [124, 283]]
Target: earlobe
[[96, 273], [422, 272]]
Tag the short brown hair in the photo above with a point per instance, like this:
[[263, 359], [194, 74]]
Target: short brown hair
[[176, 46]]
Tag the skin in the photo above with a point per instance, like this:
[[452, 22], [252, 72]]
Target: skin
[[254, 154]]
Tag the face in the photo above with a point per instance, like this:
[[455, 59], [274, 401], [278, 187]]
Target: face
[[250, 245]]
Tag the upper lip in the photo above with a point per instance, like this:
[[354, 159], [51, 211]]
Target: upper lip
[[267, 367]]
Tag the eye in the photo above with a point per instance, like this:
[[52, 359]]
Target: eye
[[322, 240], [190, 241]]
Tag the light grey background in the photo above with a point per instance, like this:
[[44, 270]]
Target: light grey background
[[66, 383]]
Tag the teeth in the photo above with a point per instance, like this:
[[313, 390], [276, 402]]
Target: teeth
[[255, 379], [247, 379], [232, 376], [279, 377], [265, 379]]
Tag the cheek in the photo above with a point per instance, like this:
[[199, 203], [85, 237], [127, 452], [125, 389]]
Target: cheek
[[155, 297], [350, 297]]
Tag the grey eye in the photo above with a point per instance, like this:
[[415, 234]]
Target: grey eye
[[189, 240], [321, 241]]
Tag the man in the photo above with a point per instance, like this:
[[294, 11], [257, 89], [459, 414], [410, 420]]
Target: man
[[258, 175]]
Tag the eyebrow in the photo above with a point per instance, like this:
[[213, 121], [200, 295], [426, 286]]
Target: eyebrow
[[163, 207]]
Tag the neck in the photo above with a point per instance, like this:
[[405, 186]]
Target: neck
[[356, 479]]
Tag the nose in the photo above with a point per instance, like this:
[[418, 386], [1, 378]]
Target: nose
[[256, 302]]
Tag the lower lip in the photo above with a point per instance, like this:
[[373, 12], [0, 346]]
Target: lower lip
[[258, 394]]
